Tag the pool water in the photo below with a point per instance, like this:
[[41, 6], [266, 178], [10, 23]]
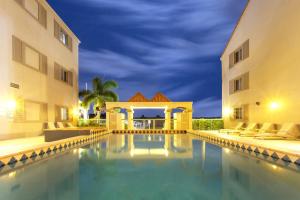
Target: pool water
[[151, 167]]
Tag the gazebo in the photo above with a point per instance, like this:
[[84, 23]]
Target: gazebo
[[115, 120]]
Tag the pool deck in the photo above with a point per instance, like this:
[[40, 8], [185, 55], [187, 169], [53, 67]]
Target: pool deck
[[12, 151], [16, 145], [287, 150], [282, 149]]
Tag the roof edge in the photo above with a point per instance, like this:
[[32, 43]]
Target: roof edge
[[235, 28]]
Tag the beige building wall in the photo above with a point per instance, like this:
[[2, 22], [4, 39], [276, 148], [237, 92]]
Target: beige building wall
[[271, 92], [32, 92]]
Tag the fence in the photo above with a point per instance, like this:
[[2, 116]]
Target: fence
[[208, 124]]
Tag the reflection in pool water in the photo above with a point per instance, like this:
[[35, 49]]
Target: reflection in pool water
[[151, 167]]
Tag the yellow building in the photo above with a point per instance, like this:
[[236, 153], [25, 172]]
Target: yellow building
[[39, 68], [261, 65]]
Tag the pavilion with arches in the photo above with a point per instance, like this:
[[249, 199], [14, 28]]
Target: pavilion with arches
[[115, 120]]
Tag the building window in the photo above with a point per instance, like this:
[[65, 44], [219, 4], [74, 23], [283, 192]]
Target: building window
[[31, 57], [238, 84], [63, 37], [35, 9], [238, 55], [62, 74], [61, 34], [35, 111], [238, 113], [62, 113], [32, 7], [28, 56]]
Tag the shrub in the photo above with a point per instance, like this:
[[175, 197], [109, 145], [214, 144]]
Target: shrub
[[208, 124]]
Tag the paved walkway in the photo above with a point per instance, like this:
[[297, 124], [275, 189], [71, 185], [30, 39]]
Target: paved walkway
[[16, 145], [287, 146]]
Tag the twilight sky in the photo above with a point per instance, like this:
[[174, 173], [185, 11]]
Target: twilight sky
[[171, 46]]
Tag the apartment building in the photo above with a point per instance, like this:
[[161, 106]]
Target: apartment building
[[261, 65], [39, 68]]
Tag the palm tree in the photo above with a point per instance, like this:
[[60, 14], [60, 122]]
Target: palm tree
[[100, 93]]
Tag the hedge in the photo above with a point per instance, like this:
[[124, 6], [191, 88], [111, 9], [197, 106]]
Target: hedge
[[208, 124]]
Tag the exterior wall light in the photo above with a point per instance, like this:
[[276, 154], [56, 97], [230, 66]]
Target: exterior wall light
[[275, 105], [11, 104], [227, 111]]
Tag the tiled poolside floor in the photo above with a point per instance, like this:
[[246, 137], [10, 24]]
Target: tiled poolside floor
[[291, 147], [17, 145], [288, 146]]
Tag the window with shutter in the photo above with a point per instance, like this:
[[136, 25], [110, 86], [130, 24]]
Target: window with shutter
[[42, 16], [21, 2], [239, 54], [62, 74], [35, 9], [61, 113], [17, 49], [62, 35], [28, 56], [245, 112], [239, 84], [43, 64]]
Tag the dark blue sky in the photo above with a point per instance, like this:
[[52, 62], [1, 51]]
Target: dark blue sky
[[171, 46]]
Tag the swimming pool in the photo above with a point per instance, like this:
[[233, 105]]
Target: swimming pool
[[156, 167]]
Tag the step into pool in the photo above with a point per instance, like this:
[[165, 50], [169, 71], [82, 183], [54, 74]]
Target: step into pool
[[151, 167]]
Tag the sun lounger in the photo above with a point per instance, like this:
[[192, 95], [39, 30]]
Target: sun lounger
[[266, 127], [287, 132], [236, 129], [60, 125], [51, 126], [70, 125]]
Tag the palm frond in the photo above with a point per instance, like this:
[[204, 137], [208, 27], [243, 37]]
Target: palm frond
[[83, 93], [108, 85], [88, 99], [110, 96], [97, 85]]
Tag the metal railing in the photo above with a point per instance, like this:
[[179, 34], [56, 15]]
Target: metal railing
[[149, 123]]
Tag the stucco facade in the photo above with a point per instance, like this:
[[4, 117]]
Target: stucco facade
[[39, 68], [263, 78]]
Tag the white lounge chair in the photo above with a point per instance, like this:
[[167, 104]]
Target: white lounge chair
[[250, 127], [266, 127], [286, 132], [60, 125], [51, 126], [236, 129], [70, 125]]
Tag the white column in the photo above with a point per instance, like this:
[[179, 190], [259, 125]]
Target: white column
[[107, 119], [190, 117], [130, 119], [167, 119]]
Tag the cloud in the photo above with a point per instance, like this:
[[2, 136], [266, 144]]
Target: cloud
[[171, 46], [208, 107]]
